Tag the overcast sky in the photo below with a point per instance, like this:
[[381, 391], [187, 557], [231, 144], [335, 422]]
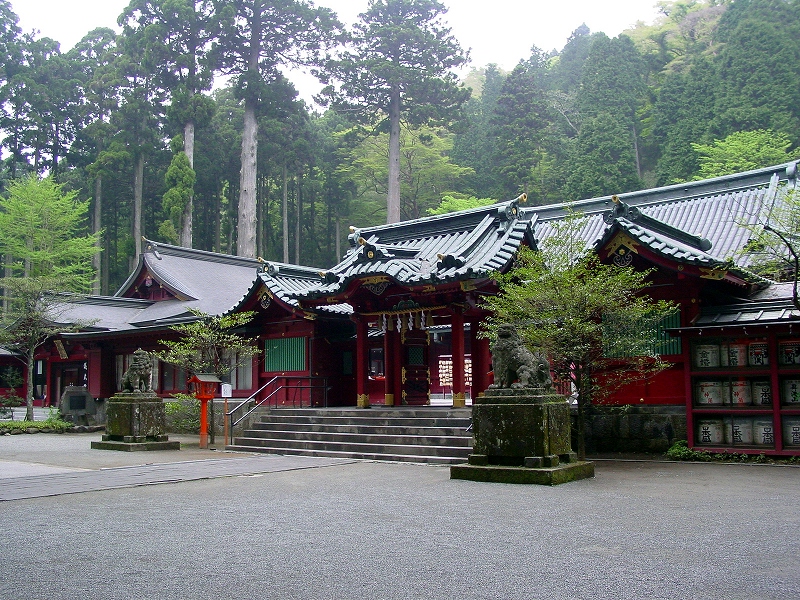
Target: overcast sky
[[495, 31]]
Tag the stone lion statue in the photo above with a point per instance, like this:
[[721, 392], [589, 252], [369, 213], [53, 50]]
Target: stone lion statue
[[138, 377], [514, 365]]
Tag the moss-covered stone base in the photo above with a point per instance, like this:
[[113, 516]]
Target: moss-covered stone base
[[136, 422], [563, 473]]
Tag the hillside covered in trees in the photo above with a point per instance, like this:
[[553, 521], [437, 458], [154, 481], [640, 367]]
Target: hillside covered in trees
[[184, 129]]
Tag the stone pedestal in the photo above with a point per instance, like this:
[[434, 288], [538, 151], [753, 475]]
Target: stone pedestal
[[135, 421], [522, 436]]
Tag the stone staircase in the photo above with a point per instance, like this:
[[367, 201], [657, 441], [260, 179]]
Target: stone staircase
[[436, 435]]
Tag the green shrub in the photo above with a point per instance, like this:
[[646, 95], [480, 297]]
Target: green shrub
[[183, 414], [54, 425]]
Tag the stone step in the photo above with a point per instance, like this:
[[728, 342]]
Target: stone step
[[420, 434], [433, 460], [364, 447], [350, 427], [395, 438]]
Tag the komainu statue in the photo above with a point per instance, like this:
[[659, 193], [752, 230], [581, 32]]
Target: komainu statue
[[514, 365], [138, 377]]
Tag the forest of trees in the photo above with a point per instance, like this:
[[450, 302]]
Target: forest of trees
[[183, 128]]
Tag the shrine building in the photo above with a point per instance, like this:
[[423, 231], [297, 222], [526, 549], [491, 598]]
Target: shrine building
[[397, 322]]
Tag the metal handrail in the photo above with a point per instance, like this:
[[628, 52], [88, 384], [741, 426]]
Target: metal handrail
[[230, 423]]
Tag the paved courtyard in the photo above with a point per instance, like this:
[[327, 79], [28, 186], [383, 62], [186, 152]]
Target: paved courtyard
[[200, 524]]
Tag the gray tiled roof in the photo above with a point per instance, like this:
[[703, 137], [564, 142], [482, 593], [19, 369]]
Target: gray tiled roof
[[717, 210], [451, 247], [214, 281], [755, 313], [287, 283]]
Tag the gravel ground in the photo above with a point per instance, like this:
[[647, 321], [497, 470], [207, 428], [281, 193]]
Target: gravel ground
[[384, 531]]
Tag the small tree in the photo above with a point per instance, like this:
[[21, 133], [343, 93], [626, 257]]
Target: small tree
[[593, 320], [774, 246], [210, 344], [42, 237]]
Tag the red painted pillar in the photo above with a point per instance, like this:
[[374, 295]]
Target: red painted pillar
[[459, 397], [481, 361], [362, 356], [391, 357]]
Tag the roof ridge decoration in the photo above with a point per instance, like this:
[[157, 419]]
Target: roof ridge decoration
[[506, 211], [621, 210], [158, 248], [675, 192]]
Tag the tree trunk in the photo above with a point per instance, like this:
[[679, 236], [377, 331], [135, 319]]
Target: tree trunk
[[186, 218], [97, 262], [636, 151], [298, 221], [260, 201], [583, 399], [285, 215], [218, 219], [338, 237], [246, 230], [29, 395], [393, 199], [7, 273], [138, 184]]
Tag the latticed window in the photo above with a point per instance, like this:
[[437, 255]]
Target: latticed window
[[285, 354], [416, 356], [663, 343], [241, 377]]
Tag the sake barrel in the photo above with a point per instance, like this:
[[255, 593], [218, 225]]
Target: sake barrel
[[741, 393], [791, 431], [706, 355], [789, 352], [709, 432], [757, 354], [761, 393], [763, 432], [741, 432], [737, 355], [791, 391], [709, 393]]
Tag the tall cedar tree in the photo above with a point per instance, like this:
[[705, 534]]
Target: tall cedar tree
[[593, 320], [178, 37], [398, 65], [606, 160], [42, 230], [256, 39], [519, 127]]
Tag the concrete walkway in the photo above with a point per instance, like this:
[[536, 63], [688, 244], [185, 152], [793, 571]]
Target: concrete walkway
[[294, 528]]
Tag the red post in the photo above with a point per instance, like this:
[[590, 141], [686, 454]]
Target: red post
[[204, 420], [362, 373], [205, 388], [459, 396]]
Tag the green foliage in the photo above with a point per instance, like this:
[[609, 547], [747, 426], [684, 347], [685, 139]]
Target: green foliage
[[51, 424], [182, 414], [680, 451], [210, 344], [43, 229], [520, 129], [425, 168], [180, 179], [604, 159], [452, 204], [743, 151]]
